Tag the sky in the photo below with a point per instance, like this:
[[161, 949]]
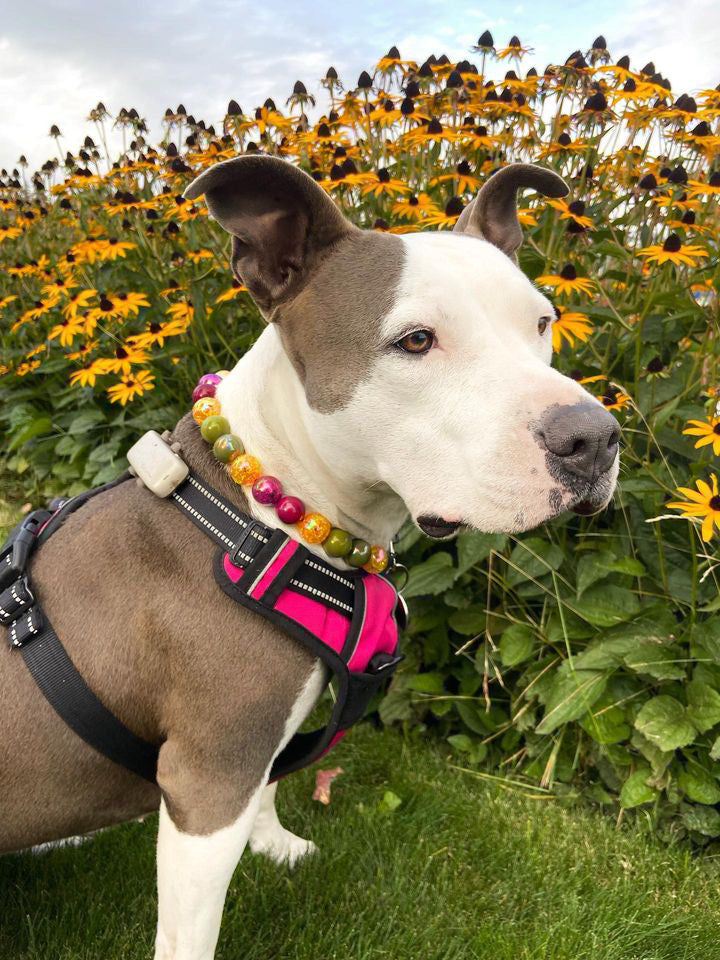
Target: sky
[[56, 63]]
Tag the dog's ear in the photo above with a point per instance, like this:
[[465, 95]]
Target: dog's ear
[[280, 220], [492, 215]]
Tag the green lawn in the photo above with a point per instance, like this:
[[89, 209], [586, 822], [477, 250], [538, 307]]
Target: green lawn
[[460, 869]]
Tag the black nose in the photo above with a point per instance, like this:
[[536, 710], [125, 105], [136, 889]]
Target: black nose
[[583, 436]]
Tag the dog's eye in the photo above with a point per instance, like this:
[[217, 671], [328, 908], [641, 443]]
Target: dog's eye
[[419, 341], [543, 324]]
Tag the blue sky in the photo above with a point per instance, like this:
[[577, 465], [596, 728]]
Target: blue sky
[[57, 63]]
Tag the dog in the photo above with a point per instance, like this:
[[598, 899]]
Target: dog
[[396, 375]]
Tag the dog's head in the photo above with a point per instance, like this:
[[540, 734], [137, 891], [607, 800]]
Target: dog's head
[[425, 358]]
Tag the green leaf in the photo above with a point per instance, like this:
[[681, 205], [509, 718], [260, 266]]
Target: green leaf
[[698, 785], [703, 707], [635, 791], [86, 420], [390, 802], [461, 742], [469, 622], [534, 557], [658, 759], [595, 566], [715, 750], [427, 683], [663, 720], [604, 605], [571, 695], [516, 644], [656, 660], [32, 430], [606, 723], [431, 577], [705, 820], [473, 547]]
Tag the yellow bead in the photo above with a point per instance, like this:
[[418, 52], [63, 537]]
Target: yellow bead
[[379, 559], [315, 528], [222, 373], [205, 407], [245, 469]]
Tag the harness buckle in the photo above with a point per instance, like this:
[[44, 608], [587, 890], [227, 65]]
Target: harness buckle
[[16, 555], [15, 600], [235, 557]]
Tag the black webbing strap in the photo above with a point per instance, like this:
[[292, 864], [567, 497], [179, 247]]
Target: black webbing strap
[[71, 698]]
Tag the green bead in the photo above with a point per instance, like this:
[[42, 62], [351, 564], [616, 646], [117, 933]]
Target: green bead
[[214, 427], [227, 447], [339, 543], [360, 553]]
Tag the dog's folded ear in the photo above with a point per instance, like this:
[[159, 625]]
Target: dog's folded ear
[[492, 215], [281, 222]]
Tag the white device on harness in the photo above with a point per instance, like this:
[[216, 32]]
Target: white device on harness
[[156, 464]]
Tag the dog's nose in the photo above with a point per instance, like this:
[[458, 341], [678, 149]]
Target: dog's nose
[[583, 436]]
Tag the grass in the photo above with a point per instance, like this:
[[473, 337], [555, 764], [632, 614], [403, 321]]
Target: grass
[[460, 869]]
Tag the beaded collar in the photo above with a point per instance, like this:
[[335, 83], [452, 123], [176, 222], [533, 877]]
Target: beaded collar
[[246, 470]]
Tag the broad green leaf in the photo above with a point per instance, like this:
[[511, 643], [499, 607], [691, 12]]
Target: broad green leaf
[[461, 742], [705, 820], [604, 605], [658, 759], [715, 750], [592, 567], [703, 708], [431, 577], [657, 661], [473, 547], [635, 791], [605, 653], [86, 420], [390, 802], [698, 785], [516, 644], [663, 720], [534, 558], [606, 724], [33, 429], [469, 622], [427, 683], [570, 697]]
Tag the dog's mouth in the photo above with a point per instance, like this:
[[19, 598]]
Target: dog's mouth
[[587, 508], [437, 527]]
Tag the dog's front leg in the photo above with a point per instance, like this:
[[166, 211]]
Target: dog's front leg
[[270, 837], [194, 870]]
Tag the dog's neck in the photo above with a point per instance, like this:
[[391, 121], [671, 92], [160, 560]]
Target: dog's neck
[[265, 403]]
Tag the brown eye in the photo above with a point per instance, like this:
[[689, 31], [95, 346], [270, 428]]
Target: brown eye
[[419, 341], [543, 324]]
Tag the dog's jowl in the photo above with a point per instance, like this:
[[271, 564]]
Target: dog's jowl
[[396, 375]]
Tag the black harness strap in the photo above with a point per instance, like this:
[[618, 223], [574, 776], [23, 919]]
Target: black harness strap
[[250, 545]]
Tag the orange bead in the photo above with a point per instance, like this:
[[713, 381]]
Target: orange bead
[[245, 469], [315, 528], [205, 407], [379, 559]]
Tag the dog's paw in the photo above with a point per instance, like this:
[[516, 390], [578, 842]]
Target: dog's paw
[[282, 846]]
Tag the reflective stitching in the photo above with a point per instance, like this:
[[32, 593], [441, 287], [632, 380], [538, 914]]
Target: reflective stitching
[[330, 573], [319, 593], [225, 509], [202, 519]]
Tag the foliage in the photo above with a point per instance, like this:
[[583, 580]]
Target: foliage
[[586, 652]]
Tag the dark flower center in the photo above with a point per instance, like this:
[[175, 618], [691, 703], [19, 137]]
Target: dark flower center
[[672, 244], [568, 272], [714, 503]]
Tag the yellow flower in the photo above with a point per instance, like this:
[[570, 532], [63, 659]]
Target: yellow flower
[[9, 233], [567, 281], [708, 431], [67, 330], [131, 386], [703, 503], [673, 251], [568, 326], [126, 304], [123, 360], [235, 290], [4, 301], [181, 311], [84, 378], [78, 302], [384, 184]]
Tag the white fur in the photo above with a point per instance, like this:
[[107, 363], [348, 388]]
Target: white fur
[[194, 871], [271, 838]]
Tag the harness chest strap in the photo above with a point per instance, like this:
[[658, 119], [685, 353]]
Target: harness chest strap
[[347, 619]]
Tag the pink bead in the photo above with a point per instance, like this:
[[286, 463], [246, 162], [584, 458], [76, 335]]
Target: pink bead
[[212, 378], [203, 390], [290, 509], [267, 490]]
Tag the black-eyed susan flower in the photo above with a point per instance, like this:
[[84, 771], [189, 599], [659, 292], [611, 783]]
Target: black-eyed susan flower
[[708, 431], [615, 399], [85, 377], [674, 251], [126, 357], [701, 505], [132, 385], [235, 290], [568, 327], [567, 281]]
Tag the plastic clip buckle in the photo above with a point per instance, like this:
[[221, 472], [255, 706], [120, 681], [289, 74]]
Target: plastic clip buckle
[[21, 546], [235, 557]]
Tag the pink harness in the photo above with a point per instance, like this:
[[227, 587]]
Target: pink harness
[[348, 619]]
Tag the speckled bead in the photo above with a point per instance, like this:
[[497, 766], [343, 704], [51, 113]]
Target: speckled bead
[[338, 544], [379, 559], [227, 447], [290, 509], [315, 528], [203, 390], [205, 407], [210, 379], [213, 428], [267, 490], [245, 469], [360, 554]]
